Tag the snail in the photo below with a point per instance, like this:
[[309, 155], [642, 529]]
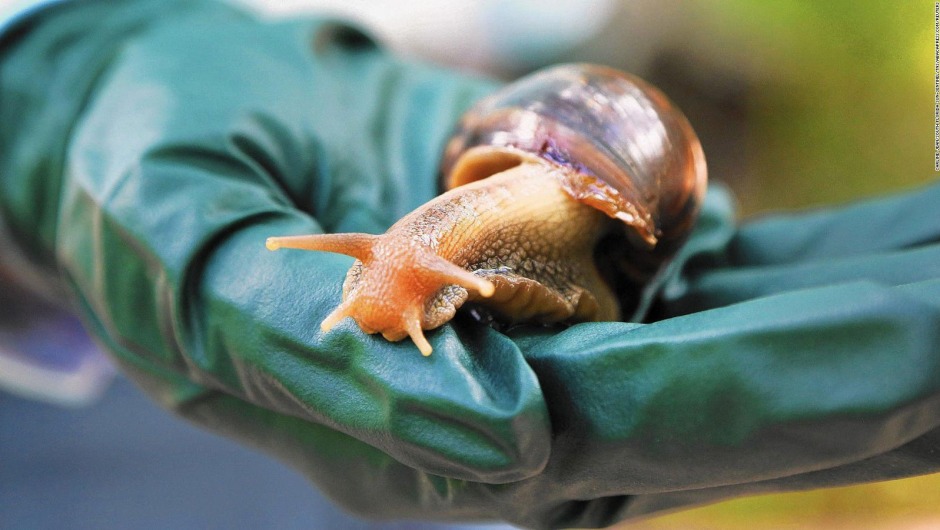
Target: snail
[[566, 190]]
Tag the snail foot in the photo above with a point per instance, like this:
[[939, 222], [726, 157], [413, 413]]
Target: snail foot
[[521, 299]]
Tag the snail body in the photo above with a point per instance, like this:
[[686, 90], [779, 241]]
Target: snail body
[[541, 175]]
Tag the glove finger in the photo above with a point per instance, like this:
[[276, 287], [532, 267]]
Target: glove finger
[[724, 286], [904, 220], [891, 241]]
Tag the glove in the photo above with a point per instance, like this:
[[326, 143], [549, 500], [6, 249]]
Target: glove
[[144, 164]]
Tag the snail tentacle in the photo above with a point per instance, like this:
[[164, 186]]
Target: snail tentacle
[[438, 268], [335, 316], [357, 245], [413, 327]]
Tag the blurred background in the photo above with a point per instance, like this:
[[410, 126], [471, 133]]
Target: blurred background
[[797, 103]]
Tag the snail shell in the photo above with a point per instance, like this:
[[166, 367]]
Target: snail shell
[[567, 190], [624, 148]]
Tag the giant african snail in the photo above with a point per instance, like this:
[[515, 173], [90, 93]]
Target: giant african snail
[[539, 174]]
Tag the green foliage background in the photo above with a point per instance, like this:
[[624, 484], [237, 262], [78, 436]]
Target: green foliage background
[[840, 103]]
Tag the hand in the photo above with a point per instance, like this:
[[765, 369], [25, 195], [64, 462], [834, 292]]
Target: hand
[[786, 354], [192, 132]]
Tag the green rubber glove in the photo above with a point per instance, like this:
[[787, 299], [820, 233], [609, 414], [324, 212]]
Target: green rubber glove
[[147, 149]]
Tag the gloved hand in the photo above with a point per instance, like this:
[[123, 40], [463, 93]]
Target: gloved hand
[[149, 148]]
